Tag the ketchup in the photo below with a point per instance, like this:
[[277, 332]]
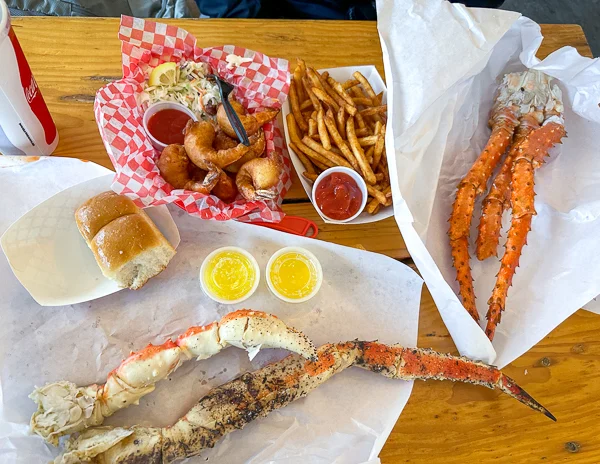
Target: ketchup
[[338, 196], [167, 126]]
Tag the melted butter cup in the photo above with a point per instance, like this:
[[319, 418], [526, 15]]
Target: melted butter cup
[[229, 275], [294, 274]]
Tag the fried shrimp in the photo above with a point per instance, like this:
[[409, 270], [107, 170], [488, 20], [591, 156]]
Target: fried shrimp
[[251, 122], [198, 142], [257, 177], [257, 148], [225, 189], [223, 141], [175, 168]]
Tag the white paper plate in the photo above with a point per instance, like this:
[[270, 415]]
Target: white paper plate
[[341, 75], [50, 257]]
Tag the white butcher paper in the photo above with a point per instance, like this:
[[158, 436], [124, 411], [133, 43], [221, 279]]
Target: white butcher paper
[[441, 87], [346, 420]]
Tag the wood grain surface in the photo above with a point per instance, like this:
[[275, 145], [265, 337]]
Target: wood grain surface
[[443, 422]]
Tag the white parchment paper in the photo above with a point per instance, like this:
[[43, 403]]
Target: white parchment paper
[[347, 420], [441, 87]]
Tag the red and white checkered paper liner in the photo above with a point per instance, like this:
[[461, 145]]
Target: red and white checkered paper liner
[[261, 83]]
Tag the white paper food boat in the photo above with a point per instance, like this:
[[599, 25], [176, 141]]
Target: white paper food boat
[[341, 75], [49, 256]]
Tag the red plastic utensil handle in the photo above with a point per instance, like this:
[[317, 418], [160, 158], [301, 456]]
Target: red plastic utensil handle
[[293, 225]]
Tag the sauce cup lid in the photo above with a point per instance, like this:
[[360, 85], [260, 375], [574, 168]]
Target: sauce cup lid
[[359, 181], [311, 257], [159, 106], [243, 252]]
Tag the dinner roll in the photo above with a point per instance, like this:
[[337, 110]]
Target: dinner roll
[[127, 245], [98, 211]]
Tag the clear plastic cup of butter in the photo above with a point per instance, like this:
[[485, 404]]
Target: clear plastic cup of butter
[[294, 274], [229, 275]]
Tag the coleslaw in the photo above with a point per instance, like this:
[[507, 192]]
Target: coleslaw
[[192, 89]]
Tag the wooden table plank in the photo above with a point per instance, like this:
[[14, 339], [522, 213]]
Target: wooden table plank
[[443, 422]]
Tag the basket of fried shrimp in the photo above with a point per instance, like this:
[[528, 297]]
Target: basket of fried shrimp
[[210, 173], [337, 117]]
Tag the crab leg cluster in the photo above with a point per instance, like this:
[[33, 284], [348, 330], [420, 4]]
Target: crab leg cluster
[[64, 408], [237, 403], [537, 125]]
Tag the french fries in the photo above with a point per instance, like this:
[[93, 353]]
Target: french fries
[[306, 104], [322, 128], [378, 148], [350, 83], [365, 83], [373, 110], [368, 141], [311, 176], [339, 124], [310, 168], [339, 141], [365, 167], [325, 98], [296, 107], [337, 160], [316, 104], [312, 127]]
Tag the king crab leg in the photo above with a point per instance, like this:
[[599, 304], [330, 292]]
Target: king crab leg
[[498, 198], [255, 394], [530, 155], [64, 408], [503, 122]]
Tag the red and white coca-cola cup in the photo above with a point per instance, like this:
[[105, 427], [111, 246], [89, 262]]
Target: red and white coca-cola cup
[[26, 127]]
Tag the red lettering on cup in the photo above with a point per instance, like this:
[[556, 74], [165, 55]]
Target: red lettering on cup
[[32, 92]]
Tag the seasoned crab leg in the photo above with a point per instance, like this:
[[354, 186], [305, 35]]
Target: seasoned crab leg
[[64, 408], [498, 198], [503, 122], [255, 394], [530, 155]]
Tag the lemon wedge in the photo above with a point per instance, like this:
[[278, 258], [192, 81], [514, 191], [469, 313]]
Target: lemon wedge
[[164, 74]]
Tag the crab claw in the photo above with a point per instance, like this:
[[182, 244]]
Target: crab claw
[[424, 364], [510, 387]]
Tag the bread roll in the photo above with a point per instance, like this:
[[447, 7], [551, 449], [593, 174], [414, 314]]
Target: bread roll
[[98, 211], [127, 245]]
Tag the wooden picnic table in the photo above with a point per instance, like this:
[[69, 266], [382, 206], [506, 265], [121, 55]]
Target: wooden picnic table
[[443, 422]]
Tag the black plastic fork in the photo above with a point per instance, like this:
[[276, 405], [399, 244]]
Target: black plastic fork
[[224, 90]]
